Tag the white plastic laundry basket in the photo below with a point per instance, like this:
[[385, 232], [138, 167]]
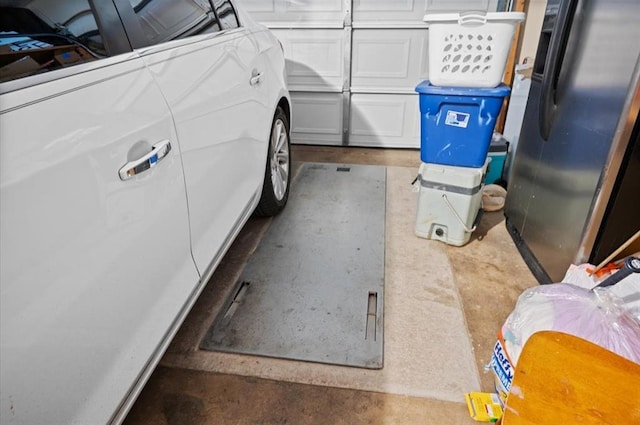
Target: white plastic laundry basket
[[470, 49]]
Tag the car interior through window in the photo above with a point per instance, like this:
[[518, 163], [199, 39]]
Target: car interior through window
[[41, 36]]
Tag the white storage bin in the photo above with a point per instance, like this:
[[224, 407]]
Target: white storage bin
[[448, 202], [470, 49]]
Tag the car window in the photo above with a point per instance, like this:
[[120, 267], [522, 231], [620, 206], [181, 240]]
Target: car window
[[226, 14], [43, 35], [164, 20]]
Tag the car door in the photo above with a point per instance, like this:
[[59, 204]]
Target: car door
[[206, 66], [95, 251]]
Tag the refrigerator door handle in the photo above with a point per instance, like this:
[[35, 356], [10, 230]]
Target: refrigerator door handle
[[557, 49]]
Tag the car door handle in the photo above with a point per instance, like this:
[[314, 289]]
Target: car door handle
[[137, 166], [255, 78]]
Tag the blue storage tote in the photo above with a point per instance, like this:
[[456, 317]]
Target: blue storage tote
[[457, 123]]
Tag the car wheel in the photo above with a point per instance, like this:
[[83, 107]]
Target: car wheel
[[277, 176]]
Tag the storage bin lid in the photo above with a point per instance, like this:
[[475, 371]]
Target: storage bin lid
[[449, 175], [498, 143], [426, 87]]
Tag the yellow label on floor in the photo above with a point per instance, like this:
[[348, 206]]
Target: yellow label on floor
[[484, 407]]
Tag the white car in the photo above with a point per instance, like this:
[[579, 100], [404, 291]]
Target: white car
[[133, 142]]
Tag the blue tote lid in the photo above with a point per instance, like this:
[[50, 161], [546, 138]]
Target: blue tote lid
[[426, 87]]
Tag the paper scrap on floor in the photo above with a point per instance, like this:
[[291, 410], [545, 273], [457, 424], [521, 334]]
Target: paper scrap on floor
[[484, 407]]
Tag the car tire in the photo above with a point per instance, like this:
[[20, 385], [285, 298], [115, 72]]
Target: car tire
[[277, 175]]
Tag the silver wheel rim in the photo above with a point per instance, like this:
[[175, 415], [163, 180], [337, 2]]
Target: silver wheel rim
[[279, 160]]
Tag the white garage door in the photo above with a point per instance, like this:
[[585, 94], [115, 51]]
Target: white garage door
[[352, 65]]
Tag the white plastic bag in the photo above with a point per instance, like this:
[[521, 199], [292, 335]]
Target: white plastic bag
[[598, 315]]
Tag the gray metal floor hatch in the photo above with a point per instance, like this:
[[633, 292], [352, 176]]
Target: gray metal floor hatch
[[313, 289]]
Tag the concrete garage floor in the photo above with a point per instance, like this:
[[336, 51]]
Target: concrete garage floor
[[443, 307]]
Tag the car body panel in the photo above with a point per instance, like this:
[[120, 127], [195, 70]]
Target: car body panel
[[77, 320], [219, 117], [97, 273]]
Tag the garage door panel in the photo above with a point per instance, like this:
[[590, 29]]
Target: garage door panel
[[459, 5], [313, 6], [377, 12], [317, 118], [298, 12], [389, 59], [315, 58], [383, 5], [355, 64], [385, 11], [389, 120], [261, 10]]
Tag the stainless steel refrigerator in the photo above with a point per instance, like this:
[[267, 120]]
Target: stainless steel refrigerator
[[574, 194]]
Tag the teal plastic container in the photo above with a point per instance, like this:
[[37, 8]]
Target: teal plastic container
[[498, 154]]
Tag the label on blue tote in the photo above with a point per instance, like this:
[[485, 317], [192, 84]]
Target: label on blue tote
[[457, 119]]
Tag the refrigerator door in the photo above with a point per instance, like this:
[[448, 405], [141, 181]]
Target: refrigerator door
[[575, 103], [525, 164]]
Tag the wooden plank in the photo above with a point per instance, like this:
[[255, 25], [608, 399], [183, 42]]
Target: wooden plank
[[509, 67], [563, 379], [631, 246]]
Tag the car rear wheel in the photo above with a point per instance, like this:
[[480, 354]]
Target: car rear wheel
[[277, 177]]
